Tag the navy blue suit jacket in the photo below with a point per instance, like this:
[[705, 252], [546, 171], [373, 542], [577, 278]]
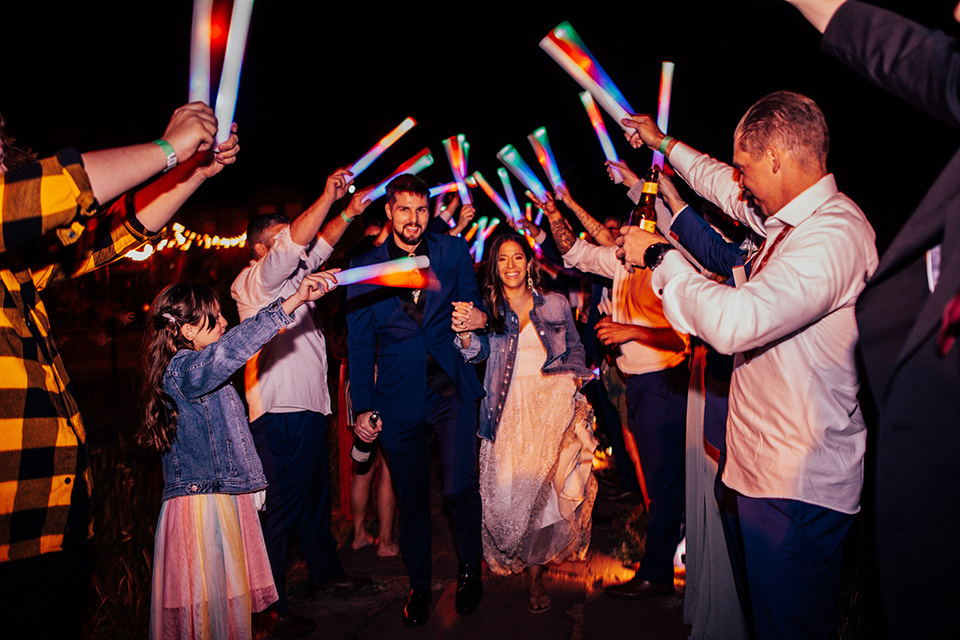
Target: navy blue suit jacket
[[382, 335]]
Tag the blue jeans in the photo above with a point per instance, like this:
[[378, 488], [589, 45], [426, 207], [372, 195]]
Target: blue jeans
[[293, 450]]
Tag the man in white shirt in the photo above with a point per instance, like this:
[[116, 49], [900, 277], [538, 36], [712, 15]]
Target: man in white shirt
[[288, 398], [795, 435]]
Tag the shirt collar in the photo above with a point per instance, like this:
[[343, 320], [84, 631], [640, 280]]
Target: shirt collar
[[803, 206], [396, 252]]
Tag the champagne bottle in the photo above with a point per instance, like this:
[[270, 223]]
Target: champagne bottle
[[644, 214], [362, 451]]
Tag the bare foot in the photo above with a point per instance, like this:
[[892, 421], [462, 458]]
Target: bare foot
[[361, 540], [388, 549], [539, 600]]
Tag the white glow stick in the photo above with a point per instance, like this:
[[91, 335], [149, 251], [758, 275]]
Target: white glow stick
[[541, 148], [610, 105], [371, 271], [508, 188], [200, 51], [601, 130], [232, 64], [663, 109], [443, 188], [414, 165], [455, 156], [497, 200], [377, 150], [521, 170]]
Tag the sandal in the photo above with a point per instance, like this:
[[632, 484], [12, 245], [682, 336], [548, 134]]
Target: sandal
[[539, 603]]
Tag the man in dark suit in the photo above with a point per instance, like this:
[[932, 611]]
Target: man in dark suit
[[908, 317], [404, 365]]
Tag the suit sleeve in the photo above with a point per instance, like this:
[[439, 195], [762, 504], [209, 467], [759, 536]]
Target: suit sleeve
[[917, 64], [707, 246]]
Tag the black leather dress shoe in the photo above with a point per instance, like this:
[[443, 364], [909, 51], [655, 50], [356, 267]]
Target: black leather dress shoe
[[417, 611], [469, 589], [637, 589]]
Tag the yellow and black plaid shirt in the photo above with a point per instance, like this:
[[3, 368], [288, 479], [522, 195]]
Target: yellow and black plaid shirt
[[47, 234]]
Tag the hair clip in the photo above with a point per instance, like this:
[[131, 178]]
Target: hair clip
[[169, 317]]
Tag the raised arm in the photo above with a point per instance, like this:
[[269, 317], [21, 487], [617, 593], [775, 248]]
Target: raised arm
[[307, 225], [818, 12], [593, 226], [335, 228]]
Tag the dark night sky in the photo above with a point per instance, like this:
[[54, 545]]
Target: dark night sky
[[321, 84]]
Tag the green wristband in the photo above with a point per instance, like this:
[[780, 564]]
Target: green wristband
[[346, 218], [167, 149], [664, 143]]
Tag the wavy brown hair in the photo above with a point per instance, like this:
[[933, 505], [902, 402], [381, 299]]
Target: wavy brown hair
[[178, 304], [490, 280]]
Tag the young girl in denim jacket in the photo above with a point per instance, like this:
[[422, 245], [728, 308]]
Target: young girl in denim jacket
[[210, 568]]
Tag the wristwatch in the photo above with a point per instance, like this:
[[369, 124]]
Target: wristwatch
[[653, 256]]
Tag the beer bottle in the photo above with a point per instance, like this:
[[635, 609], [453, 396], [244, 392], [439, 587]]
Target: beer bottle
[[644, 214]]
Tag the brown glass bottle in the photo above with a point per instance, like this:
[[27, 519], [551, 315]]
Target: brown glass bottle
[[644, 214]]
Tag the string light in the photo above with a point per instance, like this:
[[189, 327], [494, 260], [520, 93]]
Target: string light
[[184, 239]]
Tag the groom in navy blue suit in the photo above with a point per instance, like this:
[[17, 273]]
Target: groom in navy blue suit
[[404, 365]]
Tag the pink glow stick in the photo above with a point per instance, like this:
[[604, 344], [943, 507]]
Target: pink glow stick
[[601, 130], [512, 160], [541, 147], [414, 165], [377, 150], [449, 187], [455, 155], [200, 51], [663, 108], [568, 50], [232, 64], [497, 200]]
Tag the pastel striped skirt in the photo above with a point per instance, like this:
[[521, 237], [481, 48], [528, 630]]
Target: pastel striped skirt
[[210, 568]]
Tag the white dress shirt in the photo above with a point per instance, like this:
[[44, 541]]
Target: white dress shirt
[[290, 372], [794, 428]]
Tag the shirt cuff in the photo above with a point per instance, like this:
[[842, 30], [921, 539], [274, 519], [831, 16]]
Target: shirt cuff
[[541, 237], [682, 156], [671, 265], [470, 352], [636, 191]]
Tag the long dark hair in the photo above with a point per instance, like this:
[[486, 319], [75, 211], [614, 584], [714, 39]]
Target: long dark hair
[[491, 283], [178, 304]]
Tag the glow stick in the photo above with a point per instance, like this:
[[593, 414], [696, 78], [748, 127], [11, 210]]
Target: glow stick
[[601, 130], [541, 146], [377, 150], [401, 272], [449, 187], [455, 155], [508, 188], [528, 211], [497, 200], [512, 160], [663, 108], [414, 165], [539, 217], [465, 148], [232, 63], [567, 49], [200, 52], [471, 231]]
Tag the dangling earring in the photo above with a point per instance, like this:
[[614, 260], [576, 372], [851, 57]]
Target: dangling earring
[[529, 281]]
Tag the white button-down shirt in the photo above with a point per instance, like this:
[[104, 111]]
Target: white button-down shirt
[[290, 372], [794, 429]]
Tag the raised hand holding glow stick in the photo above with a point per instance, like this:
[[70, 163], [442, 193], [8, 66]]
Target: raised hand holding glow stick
[[663, 109], [497, 200], [377, 150], [541, 147], [568, 50], [601, 130], [414, 165], [200, 51], [512, 160], [388, 273], [232, 64]]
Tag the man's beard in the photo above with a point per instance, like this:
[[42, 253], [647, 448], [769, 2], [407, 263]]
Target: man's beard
[[408, 239]]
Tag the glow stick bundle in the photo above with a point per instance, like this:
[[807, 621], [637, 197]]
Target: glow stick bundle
[[601, 130], [541, 147], [568, 50], [377, 150], [449, 187], [497, 200], [457, 149], [508, 188], [414, 165], [512, 160], [663, 108], [200, 51], [402, 272], [483, 228], [232, 63]]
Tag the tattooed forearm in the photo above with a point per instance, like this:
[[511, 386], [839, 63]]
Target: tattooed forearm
[[562, 234]]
